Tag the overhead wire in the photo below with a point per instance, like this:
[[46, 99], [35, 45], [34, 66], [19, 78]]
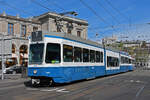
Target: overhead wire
[[13, 7], [121, 14], [112, 6], [107, 11], [96, 14], [39, 4], [55, 4]]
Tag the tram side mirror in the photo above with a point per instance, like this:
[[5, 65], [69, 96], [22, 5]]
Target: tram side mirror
[[36, 36]]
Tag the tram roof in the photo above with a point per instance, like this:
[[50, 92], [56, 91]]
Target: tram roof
[[71, 38], [76, 39]]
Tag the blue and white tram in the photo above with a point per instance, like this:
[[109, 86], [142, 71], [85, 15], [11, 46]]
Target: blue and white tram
[[61, 58]]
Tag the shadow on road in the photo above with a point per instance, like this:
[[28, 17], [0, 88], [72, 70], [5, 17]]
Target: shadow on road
[[29, 82]]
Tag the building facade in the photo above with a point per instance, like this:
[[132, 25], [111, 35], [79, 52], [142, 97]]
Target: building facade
[[53, 22], [14, 33], [110, 40]]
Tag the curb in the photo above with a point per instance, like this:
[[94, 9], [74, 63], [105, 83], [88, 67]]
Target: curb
[[12, 76]]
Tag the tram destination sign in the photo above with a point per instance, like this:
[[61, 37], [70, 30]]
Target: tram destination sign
[[36, 36]]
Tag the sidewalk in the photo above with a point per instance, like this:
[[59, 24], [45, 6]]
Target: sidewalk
[[11, 76]]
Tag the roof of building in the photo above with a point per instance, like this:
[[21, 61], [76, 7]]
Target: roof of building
[[67, 18], [36, 19], [19, 18], [129, 42]]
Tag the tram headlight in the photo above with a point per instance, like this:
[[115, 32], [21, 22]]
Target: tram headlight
[[35, 71]]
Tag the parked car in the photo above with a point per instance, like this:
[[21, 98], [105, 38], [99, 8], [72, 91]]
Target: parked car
[[13, 70]]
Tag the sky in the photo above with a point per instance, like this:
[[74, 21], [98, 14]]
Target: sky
[[124, 18]]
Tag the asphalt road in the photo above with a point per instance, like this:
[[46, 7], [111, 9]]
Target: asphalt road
[[126, 86]]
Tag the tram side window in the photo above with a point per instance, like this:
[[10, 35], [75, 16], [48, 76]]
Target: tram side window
[[92, 56], [109, 63], [112, 61], [67, 53], [85, 55], [126, 60], [121, 59], [52, 53], [130, 61], [101, 57], [77, 54], [97, 56], [116, 62]]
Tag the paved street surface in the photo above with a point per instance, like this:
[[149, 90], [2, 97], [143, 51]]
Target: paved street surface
[[127, 86]]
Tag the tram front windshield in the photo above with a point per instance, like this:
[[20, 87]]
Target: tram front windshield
[[36, 53]]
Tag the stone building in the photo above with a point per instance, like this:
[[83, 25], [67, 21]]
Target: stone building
[[14, 33], [53, 22], [110, 40]]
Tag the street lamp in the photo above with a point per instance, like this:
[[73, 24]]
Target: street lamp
[[70, 12], [2, 59]]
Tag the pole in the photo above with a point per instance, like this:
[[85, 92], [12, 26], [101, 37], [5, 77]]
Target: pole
[[2, 62]]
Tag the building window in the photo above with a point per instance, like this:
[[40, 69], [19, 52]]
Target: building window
[[35, 29], [10, 28], [68, 53], [70, 28], [79, 33], [23, 30], [69, 31], [58, 29]]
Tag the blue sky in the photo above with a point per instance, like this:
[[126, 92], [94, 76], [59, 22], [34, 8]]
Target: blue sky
[[133, 12]]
